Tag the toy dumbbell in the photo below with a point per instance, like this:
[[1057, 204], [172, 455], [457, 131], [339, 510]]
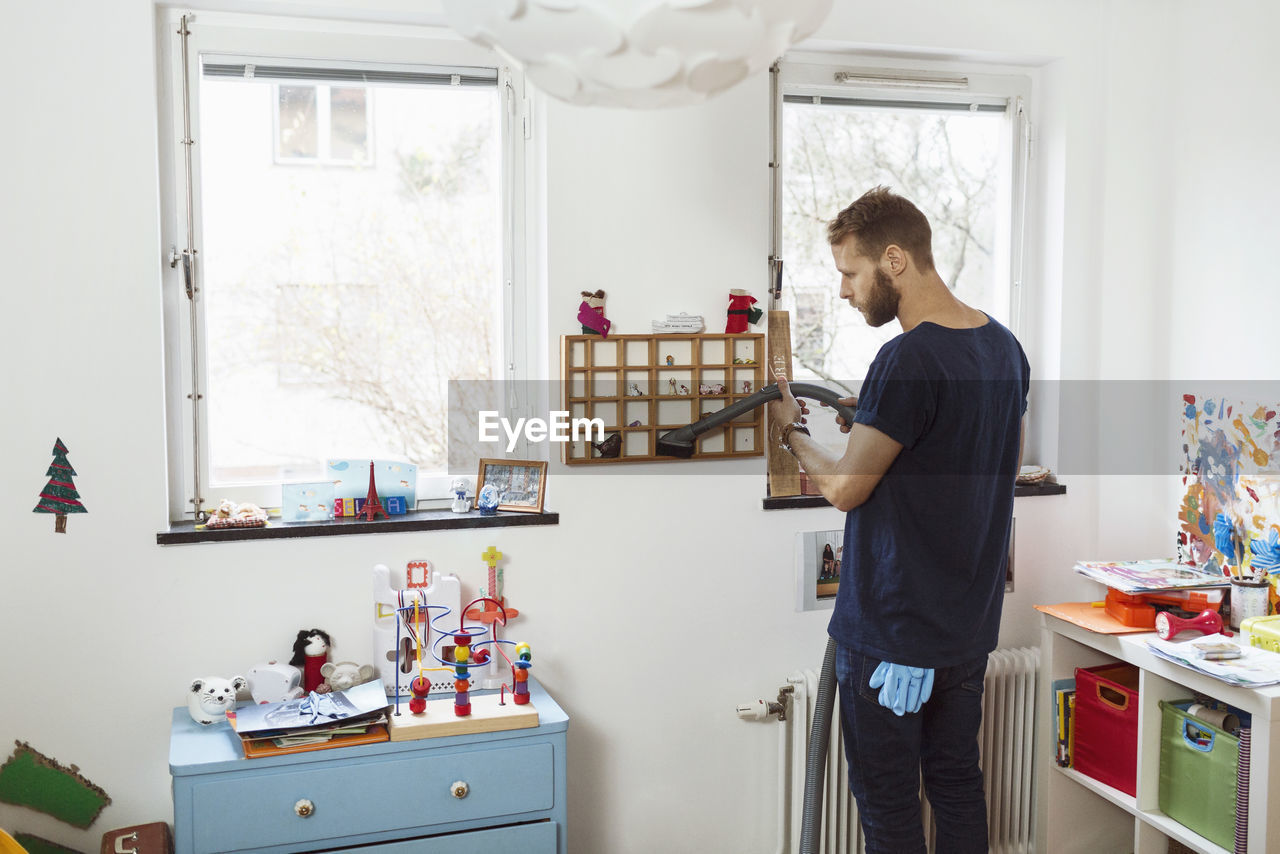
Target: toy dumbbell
[[1168, 626]]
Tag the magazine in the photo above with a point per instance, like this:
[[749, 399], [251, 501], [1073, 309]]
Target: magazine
[[1254, 667], [314, 712], [1144, 576]]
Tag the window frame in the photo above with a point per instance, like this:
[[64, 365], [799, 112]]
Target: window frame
[[324, 131], [322, 42], [923, 82]]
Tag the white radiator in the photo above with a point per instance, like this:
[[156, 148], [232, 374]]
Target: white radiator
[[1006, 741]]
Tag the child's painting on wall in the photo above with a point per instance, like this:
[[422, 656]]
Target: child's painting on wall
[[1229, 518]]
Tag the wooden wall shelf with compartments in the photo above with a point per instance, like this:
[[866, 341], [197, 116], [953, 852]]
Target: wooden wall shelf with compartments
[[641, 386]]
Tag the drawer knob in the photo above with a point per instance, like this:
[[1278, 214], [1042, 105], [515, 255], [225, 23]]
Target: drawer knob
[[460, 790], [304, 808]]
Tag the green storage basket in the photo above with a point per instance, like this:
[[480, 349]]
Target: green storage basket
[[1198, 763]]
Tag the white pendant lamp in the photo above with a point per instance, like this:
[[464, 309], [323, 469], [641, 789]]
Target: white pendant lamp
[[637, 53]]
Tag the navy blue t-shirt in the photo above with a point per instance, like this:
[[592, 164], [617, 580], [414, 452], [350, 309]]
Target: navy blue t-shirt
[[923, 570]]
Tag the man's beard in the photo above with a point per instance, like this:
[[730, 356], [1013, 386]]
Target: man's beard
[[882, 305]]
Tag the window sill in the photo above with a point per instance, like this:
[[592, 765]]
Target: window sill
[[421, 520], [794, 502]]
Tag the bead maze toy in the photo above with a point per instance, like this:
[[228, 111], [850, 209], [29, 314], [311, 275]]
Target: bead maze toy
[[495, 605], [392, 648], [433, 638]]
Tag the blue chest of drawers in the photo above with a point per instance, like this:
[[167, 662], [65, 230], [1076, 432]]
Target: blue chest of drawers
[[468, 794]]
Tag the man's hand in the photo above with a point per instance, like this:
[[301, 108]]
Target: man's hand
[[905, 689], [786, 410], [852, 403]]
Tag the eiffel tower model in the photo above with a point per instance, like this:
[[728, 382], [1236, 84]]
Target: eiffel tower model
[[372, 505]]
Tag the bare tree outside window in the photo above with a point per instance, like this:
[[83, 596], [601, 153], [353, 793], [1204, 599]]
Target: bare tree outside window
[[342, 297], [948, 163]]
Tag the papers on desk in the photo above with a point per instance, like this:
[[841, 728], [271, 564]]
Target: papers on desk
[[314, 722], [1254, 668], [314, 712], [1144, 576]]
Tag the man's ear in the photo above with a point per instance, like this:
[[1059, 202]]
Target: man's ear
[[894, 259]]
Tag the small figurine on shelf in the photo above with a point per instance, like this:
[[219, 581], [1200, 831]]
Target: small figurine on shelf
[[633, 390], [746, 386], [635, 423], [372, 505], [591, 314], [209, 699], [487, 499], [610, 447], [311, 652], [670, 361], [672, 383], [742, 311], [344, 675], [684, 389], [460, 503], [273, 682]]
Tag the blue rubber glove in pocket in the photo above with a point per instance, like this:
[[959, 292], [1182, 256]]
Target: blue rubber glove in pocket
[[902, 689]]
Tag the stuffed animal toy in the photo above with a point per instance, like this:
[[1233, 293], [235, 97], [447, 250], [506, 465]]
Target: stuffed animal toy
[[274, 682], [209, 699], [591, 314], [742, 311], [310, 652], [344, 675]]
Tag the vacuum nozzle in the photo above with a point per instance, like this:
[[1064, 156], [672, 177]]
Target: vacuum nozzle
[[682, 441]]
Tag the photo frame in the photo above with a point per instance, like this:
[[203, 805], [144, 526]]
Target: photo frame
[[522, 484], [818, 556]]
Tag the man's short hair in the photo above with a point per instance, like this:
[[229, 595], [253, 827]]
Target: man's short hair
[[881, 218]]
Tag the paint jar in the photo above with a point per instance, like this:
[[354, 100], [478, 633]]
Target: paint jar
[[1220, 718], [1248, 599]]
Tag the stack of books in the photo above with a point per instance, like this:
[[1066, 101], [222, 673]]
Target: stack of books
[[314, 722], [1064, 712], [679, 323]]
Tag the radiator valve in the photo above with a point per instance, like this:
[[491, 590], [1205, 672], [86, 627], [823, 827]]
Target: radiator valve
[[759, 710]]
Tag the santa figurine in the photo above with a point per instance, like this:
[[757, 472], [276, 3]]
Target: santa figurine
[[310, 652], [742, 311], [591, 314]]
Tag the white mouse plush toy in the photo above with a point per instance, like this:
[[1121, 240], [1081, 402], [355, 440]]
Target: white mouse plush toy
[[209, 699]]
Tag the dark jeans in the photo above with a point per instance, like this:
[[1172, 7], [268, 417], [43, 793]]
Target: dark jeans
[[888, 755]]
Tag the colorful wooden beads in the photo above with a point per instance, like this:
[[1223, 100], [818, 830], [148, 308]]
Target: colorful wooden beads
[[462, 685], [420, 687], [524, 660]]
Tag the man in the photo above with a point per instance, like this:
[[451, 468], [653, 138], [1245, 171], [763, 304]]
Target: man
[[927, 484]]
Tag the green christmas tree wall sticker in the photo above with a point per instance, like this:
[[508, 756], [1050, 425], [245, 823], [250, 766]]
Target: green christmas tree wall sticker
[[59, 495]]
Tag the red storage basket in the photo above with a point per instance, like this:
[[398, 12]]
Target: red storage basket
[[1106, 725]]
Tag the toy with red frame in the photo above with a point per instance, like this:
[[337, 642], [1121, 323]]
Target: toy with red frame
[[473, 646]]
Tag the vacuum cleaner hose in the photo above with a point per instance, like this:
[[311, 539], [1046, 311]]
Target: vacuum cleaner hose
[[681, 441], [816, 760]]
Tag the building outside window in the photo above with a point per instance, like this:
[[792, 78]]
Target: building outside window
[[353, 223]]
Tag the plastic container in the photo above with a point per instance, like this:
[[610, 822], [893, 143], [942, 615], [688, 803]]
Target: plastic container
[[1198, 764], [1262, 632], [1106, 725]]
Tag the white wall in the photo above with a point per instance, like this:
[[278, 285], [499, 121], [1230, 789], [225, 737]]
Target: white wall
[[660, 601]]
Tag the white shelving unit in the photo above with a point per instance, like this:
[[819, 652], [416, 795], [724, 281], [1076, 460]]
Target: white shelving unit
[[1075, 813]]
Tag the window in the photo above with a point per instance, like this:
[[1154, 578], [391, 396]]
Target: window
[[354, 213], [951, 143], [322, 124]]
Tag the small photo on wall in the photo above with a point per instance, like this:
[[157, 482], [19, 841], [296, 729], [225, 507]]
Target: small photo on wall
[[818, 555]]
